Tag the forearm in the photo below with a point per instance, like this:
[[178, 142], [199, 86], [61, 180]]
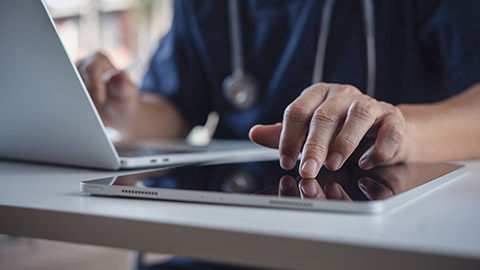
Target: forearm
[[446, 130], [154, 117]]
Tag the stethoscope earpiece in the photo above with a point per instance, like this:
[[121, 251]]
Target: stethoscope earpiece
[[241, 91]]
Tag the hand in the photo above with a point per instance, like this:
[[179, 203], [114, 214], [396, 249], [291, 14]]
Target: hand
[[327, 122], [116, 96]]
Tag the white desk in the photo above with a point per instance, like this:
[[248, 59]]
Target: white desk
[[440, 229]]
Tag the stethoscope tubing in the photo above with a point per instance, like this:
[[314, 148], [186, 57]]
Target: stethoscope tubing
[[369, 26], [236, 42]]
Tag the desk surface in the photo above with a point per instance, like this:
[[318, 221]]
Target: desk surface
[[440, 228]]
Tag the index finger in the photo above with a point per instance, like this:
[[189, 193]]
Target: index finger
[[296, 121]]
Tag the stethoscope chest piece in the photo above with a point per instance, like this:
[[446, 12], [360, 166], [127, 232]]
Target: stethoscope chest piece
[[241, 91]]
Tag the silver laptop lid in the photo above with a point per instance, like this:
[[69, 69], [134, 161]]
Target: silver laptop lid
[[46, 113]]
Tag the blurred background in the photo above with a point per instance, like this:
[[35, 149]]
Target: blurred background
[[126, 30]]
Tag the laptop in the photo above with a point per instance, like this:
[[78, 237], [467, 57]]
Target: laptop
[[47, 115]]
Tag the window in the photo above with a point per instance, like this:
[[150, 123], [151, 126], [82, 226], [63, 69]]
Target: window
[[126, 30]]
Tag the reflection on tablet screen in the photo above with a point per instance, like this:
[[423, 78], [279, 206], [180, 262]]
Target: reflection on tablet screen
[[267, 178]]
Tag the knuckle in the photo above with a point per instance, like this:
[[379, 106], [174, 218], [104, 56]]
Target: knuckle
[[319, 85], [336, 90], [336, 100], [316, 89], [345, 144], [363, 110], [295, 112], [395, 134], [392, 110], [315, 149], [387, 105], [397, 111], [349, 89], [384, 104], [325, 116]]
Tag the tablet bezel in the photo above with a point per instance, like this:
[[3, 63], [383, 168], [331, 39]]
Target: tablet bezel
[[103, 187]]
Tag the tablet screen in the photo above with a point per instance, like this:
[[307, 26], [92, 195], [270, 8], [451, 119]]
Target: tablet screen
[[267, 178]]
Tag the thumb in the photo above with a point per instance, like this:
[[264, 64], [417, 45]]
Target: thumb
[[266, 135], [118, 85], [118, 78]]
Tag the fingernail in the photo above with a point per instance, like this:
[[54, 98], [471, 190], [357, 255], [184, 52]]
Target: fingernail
[[365, 184], [334, 192], [365, 164], [334, 161], [310, 168], [287, 162], [310, 189]]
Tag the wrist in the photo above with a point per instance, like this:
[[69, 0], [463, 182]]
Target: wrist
[[411, 138], [128, 121], [419, 125]]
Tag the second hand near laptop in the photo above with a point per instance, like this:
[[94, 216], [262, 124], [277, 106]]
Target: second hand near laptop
[[113, 134], [130, 68], [198, 136]]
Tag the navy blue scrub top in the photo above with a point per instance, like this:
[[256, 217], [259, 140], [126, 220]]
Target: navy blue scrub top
[[426, 51]]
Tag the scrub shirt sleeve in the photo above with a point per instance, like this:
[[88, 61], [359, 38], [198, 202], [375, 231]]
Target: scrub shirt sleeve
[[175, 72], [454, 32]]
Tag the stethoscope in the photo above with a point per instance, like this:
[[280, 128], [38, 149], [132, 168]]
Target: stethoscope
[[242, 89]]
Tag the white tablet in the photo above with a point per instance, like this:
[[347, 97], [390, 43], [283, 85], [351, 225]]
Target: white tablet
[[265, 184]]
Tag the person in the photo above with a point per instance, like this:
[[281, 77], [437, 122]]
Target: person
[[426, 102], [426, 106]]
